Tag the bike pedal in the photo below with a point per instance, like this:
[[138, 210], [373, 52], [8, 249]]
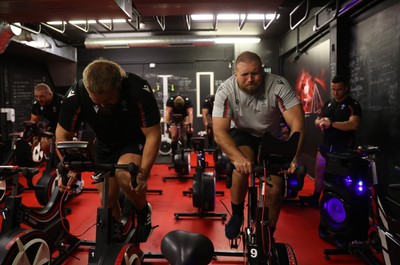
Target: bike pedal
[[234, 243]]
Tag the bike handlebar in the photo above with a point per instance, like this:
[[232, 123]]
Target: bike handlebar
[[77, 157], [132, 168], [9, 171], [301, 171]]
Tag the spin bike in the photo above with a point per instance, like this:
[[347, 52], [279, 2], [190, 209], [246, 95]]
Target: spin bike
[[275, 155], [180, 156], [203, 191], [115, 241], [21, 149], [383, 243], [47, 240]]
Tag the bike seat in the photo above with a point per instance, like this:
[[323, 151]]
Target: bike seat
[[177, 118], [47, 134], [186, 248], [29, 124]]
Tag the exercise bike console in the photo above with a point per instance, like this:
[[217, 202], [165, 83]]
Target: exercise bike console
[[75, 151]]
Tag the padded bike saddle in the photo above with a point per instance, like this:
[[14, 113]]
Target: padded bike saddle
[[187, 248]]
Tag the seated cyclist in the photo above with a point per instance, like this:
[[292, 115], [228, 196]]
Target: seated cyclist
[[46, 106], [122, 110], [179, 104], [206, 112], [254, 100]]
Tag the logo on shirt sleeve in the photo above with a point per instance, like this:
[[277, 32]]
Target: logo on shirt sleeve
[[71, 93], [146, 87]]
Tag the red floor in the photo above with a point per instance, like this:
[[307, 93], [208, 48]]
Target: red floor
[[297, 226]]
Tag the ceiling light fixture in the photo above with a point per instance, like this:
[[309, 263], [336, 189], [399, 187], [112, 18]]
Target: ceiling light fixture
[[166, 41], [226, 17], [237, 40]]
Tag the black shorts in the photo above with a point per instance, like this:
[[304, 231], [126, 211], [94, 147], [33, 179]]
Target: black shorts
[[324, 149], [242, 138], [106, 155]]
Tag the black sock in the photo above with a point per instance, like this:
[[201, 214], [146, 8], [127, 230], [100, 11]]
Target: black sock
[[143, 210], [272, 231], [174, 146], [237, 209]]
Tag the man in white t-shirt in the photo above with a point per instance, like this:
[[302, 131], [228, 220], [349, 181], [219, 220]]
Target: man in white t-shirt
[[254, 101]]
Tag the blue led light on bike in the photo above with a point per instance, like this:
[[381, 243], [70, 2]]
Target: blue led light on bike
[[293, 182], [360, 187], [348, 181]]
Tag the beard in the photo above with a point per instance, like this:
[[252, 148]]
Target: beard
[[250, 89]]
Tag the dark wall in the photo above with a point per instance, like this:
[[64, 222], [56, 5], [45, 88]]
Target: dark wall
[[370, 45], [19, 78], [375, 82], [310, 77]]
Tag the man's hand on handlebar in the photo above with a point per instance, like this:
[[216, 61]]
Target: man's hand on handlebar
[[141, 183], [243, 165], [292, 168], [66, 178]]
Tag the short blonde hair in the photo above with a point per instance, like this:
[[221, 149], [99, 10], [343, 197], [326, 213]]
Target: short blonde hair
[[102, 75], [179, 102], [43, 87]]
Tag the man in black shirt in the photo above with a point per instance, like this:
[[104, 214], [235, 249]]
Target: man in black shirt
[[206, 112], [179, 104], [339, 120], [123, 113], [46, 105]]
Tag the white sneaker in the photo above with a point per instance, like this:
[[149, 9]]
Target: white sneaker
[[77, 187]]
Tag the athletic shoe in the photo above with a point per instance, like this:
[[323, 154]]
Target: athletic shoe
[[77, 187], [96, 175], [232, 228], [309, 201], [144, 227]]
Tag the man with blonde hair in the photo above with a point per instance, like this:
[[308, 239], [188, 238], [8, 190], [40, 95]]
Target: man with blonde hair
[[123, 113]]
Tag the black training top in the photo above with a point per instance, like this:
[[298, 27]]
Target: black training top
[[208, 103], [119, 124], [50, 112], [337, 112], [183, 111]]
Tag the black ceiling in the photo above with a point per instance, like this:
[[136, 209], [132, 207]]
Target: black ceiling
[[156, 17]]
